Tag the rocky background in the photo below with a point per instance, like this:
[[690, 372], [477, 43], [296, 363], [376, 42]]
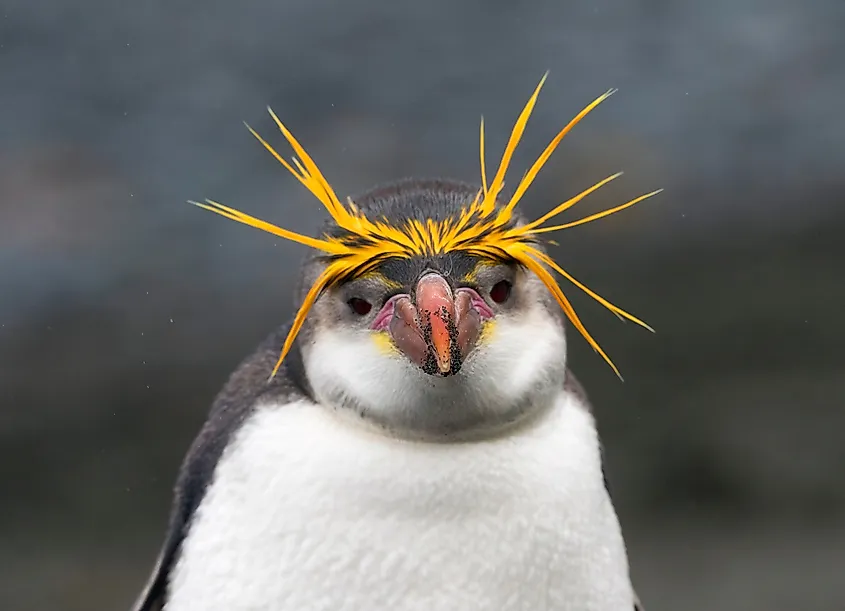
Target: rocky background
[[122, 309]]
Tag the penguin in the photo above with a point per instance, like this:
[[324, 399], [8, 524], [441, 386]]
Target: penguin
[[421, 442]]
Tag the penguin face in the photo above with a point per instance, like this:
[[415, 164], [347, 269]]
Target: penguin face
[[435, 345], [435, 323]]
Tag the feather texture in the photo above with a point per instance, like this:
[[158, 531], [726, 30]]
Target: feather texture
[[486, 228]]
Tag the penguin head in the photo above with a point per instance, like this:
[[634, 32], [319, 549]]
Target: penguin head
[[434, 344], [432, 307]]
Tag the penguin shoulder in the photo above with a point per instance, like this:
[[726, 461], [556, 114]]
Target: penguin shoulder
[[232, 406]]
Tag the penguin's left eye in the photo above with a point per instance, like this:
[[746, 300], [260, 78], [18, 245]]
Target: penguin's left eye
[[501, 291], [360, 306]]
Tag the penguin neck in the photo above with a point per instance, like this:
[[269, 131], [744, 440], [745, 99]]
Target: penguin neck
[[528, 412]]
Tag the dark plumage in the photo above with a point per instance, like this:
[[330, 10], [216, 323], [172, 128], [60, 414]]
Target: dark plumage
[[420, 200]]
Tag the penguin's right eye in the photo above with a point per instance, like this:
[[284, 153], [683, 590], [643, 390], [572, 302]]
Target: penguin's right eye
[[361, 307], [501, 291]]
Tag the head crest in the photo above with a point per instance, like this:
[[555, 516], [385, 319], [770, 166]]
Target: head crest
[[482, 228]]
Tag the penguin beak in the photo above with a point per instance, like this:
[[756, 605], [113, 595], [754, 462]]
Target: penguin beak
[[436, 313], [436, 328]]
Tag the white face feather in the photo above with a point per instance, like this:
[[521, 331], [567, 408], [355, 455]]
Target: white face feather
[[518, 364]]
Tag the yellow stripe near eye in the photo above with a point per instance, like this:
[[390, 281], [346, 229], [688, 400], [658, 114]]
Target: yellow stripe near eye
[[488, 330], [383, 343]]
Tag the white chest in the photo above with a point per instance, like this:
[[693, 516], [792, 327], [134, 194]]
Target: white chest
[[308, 513]]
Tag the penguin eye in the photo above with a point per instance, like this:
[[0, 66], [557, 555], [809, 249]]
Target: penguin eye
[[501, 291], [361, 307]]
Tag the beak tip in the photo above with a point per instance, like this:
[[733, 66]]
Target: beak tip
[[444, 367]]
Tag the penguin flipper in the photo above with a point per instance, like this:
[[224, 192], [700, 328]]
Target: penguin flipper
[[152, 596], [638, 606], [230, 409]]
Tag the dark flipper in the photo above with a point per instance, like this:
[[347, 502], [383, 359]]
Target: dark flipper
[[228, 411]]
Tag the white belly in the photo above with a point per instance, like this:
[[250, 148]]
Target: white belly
[[309, 513]]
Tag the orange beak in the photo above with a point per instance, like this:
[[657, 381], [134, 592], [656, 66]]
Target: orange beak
[[436, 307]]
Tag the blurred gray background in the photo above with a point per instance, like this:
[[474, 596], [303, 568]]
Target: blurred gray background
[[122, 309]]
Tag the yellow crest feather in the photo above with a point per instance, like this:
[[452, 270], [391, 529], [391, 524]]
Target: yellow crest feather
[[482, 228]]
